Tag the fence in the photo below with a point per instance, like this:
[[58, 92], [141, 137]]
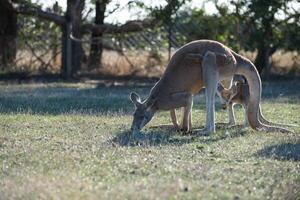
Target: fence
[[142, 53]]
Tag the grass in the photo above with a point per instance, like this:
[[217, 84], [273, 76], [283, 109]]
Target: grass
[[68, 141]]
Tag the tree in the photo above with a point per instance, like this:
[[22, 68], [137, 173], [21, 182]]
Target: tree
[[72, 52], [219, 26], [265, 26], [96, 48], [34, 35], [8, 33], [73, 26]]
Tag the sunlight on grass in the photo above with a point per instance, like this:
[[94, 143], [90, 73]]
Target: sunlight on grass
[[68, 141]]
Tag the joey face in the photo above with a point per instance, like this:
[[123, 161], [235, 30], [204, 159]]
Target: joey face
[[142, 114], [227, 95]]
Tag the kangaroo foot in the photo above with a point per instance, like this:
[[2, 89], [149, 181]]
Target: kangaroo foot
[[185, 129], [202, 132]]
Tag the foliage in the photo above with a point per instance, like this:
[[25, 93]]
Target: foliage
[[218, 27], [241, 24], [42, 37], [246, 24], [267, 21], [291, 32], [8, 34]]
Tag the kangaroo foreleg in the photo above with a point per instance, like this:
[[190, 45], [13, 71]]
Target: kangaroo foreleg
[[175, 122], [190, 119], [184, 100], [246, 122], [187, 117], [231, 115], [174, 119]]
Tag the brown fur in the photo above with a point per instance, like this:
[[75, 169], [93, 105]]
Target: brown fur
[[186, 74], [239, 94]]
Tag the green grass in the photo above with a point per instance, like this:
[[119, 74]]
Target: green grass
[[68, 141]]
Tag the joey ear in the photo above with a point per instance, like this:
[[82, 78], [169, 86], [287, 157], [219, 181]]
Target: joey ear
[[135, 98]]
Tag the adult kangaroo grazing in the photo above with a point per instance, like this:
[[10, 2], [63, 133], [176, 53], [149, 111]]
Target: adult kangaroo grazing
[[201, 63]]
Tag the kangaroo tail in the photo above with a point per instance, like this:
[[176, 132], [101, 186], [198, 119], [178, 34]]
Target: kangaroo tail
[[246, 68]]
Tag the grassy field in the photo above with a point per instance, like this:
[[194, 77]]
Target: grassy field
[[68, 141]]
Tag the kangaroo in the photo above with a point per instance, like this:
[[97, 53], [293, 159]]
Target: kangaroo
[[239, 94], [198, 64]]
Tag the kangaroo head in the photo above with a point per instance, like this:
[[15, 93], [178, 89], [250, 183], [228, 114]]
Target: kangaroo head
[[143, 112]]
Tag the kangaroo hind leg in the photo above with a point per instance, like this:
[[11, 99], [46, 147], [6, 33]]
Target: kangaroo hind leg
[[210, 75]]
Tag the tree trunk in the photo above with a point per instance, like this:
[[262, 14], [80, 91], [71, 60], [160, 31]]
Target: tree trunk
[[8, 33], [72, 51], [169, 40], [77, 50], [64, 51], [262, 58], [96, 49], [66, 55]]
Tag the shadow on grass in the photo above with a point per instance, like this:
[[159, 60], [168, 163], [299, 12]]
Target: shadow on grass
[[287, 151], [64, 100], [166, 135], [100, 98], [276, 89], [60, 99], [152, 138]]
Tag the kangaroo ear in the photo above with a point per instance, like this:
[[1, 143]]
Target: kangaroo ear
[[135, 98]]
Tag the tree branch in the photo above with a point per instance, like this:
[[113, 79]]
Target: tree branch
[[130, 26], [30, 10]]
